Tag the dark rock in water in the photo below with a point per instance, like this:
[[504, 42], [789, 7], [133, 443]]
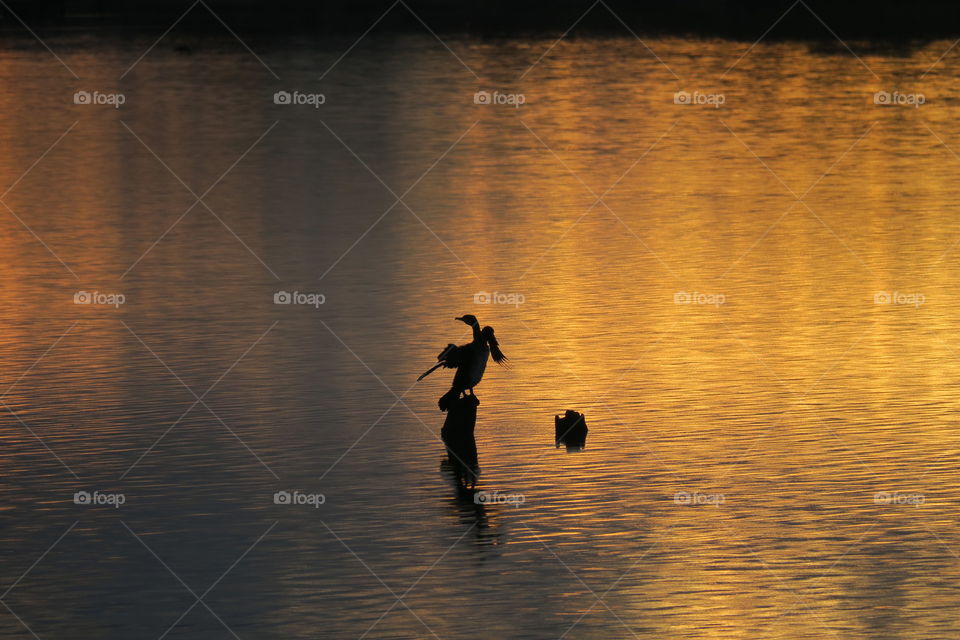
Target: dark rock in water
[[571, 430]]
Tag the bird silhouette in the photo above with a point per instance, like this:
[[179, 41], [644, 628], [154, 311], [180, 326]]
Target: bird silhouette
[[470, 361]]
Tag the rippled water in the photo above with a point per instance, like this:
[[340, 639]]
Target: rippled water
[[729, 487]]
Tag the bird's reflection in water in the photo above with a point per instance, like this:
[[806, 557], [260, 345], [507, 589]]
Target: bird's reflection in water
[[461, 466], [471, 509]]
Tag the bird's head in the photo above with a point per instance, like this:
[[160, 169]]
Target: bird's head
[[468, 320]]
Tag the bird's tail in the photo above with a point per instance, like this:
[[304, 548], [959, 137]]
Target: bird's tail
[[429, 371], [495, 352]]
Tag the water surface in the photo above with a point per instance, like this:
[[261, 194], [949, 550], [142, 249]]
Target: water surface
[[729, 485]]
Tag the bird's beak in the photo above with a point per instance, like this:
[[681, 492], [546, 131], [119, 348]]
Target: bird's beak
[[460, 318]]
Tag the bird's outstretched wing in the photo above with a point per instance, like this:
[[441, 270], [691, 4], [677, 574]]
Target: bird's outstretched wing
[[450, 358]]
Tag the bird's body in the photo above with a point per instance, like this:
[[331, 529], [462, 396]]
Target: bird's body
[[470, 361], [472, 365], [478, 364]]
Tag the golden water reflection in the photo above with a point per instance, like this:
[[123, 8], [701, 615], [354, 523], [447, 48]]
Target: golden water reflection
[[817, 229]]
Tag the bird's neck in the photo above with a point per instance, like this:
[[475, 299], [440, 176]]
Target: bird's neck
[[477, 335]]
